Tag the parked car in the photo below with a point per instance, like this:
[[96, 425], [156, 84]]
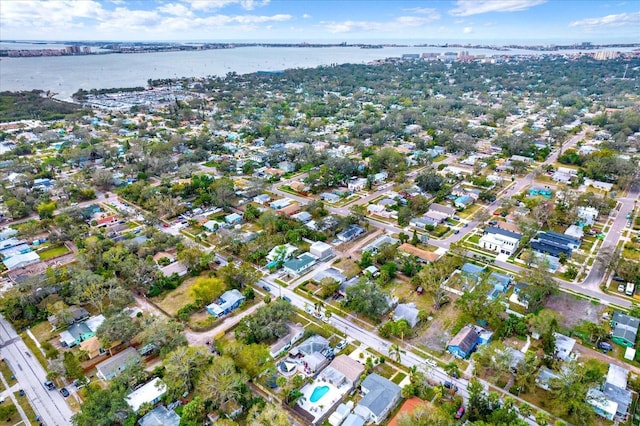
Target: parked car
[[621, 287], [605, 346], [266, 287], [64, 392], [21, 392], [286, 299], [340, 346], [449, 385], [431, 362], [618, 278], [459, 413], [49, 385]]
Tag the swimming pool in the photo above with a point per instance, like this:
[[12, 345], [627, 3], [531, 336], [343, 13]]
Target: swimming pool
[[318, 393]]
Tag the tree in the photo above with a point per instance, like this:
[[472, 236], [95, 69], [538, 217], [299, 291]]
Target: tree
[[205, 290], [103, 407], [266, 324], [267, 415], [166, 334], [240, 276], [87, 287], [46, 209], [429, 181], [396, 352], [182, 366], [193, 411], [570, 389], [73, 369], [251, 359], [329, 286], [542, 418], [117, 328], [220, 382], [546, 323], [191, 257], [368, 299], [541, 285]]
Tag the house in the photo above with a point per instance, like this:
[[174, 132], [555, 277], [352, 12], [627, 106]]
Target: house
[[303, 217], [439, 208], [7, 233], [229, 301], [424, 222], [561, 177], [281, 253], [343, 372], [315, 343], [554, 244], [615, 390], [329, 197], [602, 405], [149, 393], [174, 268], [294, 333], [376, 244], [357, 184], [544, 378], [574, 231], [422, 255], [280, 204], [160, 416], [287, 166], [233, 218], [21, 260], [464, 343], [353, 420], [262, 199], [499, 282], [472, 272], [289, 210], [463, 202], [408, 312], [212, 225], [341, 413], [564, 346], [92, 347], [625, 329], [75, 334], [587, 215], [352, 231], [603, 186], [500, 240], [332, 273], [321, 250], [106, 221], [380, 398], [113, 366], [378, 210], [299, 265], [380, 178]]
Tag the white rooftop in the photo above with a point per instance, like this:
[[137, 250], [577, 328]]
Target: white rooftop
[[148, 392]]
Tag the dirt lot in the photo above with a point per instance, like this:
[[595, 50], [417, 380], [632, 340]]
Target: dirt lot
[[173, 300], [573, 310], [436, 334]]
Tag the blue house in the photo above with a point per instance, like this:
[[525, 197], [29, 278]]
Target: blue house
[[500, 283], [464, 343], [233, 218], [228, 302], [463, 202], [472, 272]]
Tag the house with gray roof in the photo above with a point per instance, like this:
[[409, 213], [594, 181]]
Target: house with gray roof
[[160, 416], [625, 329], [113, 366], [376, 244], [380, 396], [463, 343], [408, 312], [227, 302]]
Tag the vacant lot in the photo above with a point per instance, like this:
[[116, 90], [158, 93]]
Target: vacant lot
[[173, 300], [52, 252], [573, 310], [436, 334]]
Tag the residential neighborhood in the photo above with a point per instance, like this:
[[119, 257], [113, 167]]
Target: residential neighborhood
[[326, 246]]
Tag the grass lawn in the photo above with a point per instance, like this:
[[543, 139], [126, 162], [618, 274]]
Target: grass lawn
[[52, 252], [6, 372], [475, 239], [42, 331], [12, 417], [36, 351], [173, 300], [348, 267], [398, 378], [385, 370], [26, 406], [469, 211]]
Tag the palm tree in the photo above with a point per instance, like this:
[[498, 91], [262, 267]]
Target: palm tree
[[396, 352]]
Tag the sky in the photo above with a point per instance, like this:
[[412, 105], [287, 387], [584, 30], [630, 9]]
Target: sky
[[375, 21]]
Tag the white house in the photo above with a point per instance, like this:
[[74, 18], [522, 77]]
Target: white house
[[587, 215], [321, 250], [500, 240], [149, 393], [357, 184], [281, 253]]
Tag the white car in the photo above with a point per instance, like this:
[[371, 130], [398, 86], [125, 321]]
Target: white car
[[431, 362], [340, 346]]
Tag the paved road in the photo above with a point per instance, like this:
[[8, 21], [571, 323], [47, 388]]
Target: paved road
[[49, 405]]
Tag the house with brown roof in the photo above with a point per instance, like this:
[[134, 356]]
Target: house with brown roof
[[422, 255], [289, 210], [343, 372]]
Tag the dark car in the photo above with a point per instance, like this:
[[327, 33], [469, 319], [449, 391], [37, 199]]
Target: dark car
[[286, 299], [266, 287], [605, 346], [618, 278], [450, 385], [459, 413], [64, 392], [21, 392], [49, 385]]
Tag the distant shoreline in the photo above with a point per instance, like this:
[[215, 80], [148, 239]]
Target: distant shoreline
[[85, 48]]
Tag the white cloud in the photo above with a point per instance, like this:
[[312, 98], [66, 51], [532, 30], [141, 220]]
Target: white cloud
[[50, 14], [399, 23], [422, 10], [476, 7], [175, 9], [619, 20], [306, 16], [467, 30], [209, 5]]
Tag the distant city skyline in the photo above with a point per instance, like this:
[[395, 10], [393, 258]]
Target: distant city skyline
[[489, 21]]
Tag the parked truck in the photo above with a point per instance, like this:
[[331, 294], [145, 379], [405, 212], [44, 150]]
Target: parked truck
[[630, 288]]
